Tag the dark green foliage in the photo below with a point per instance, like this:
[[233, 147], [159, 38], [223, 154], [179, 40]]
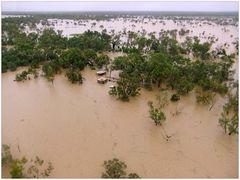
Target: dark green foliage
[[22, 76], [9, 60], [50, 69], [133, 176], [127, 85], [201, 50], [175, 97], [159, 68], [142, 42], [211, 75], [131, 50], [116, 169], [10, 27], [74, 76], [89, 55], [12, 66], [176, 72], [73, 58], [102, 60], [120, 63], [91, 40], [50, 38], [23, 54], [184, 86]]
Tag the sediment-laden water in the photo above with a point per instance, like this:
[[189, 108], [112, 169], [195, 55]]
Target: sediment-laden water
[[77, 127]]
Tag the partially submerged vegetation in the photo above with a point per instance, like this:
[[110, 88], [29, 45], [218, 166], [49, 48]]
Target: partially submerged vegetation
[[156, 112], [117, 169], [229, 117], [24, 168], [149, 62], [25, 75]]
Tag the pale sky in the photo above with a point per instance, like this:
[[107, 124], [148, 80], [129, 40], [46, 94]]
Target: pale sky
[[119, 6]]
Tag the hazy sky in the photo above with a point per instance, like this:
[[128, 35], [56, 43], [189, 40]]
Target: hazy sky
[[119, 6]]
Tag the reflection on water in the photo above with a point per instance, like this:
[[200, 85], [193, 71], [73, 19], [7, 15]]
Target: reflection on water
[[77, 127]]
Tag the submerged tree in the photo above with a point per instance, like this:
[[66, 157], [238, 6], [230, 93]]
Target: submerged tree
[[24, 74], [201, 50], [205, 97], [156, 114], [23, 168], [127, 85], [74, 75], [17, 168], [6, 155], [116, 169], [74, 58], [102, 60], [48, 71], [229, 116], [175, 97]]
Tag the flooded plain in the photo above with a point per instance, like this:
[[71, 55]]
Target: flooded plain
[[77, 127], [203, 29]]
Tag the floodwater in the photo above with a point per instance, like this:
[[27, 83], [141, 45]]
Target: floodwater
[[77, 127], [202, 29]]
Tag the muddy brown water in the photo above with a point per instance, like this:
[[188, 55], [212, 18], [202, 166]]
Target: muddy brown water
[[77, 127]]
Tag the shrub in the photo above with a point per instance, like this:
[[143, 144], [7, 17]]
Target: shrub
[[74, 76], [22, 168], [229, 116], [6, 155], [156, 114], [205, 97], [175, 97], [116, 169]]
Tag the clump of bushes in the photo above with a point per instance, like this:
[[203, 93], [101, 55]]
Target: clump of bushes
[[24, 75], [128, 85], [229, 117], [74, 76], [116, 169], [24, 168], [175, 97], [205, 97], [156, 114]]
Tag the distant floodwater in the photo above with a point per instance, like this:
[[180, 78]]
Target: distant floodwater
[[204, 29]]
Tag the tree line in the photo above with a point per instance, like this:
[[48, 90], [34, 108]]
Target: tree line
[[149, 61]]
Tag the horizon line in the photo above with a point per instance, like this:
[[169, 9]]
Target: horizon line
[[114, 11]]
